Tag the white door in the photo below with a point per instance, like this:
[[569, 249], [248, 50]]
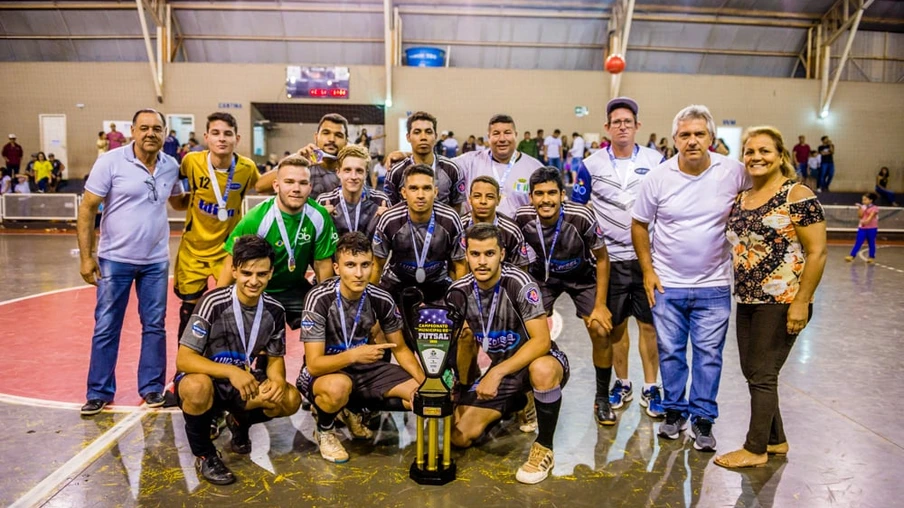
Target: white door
[[53, 138], [732, 138], [184, 125]]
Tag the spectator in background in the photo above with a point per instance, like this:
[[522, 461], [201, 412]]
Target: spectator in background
[[882, 187], [813, 164], [438, 146], [801, 154], [470, 145], [30, 170], [540, 140], [57, 175], [12, 155], [594, 147], [651, 143], [22, 186], [827, 164], [721, 148], [102, 144], [576, 152], [528, 145], [184, 149], [553, 145], [171, 146], [664, 148], [6, 183], [271, 163], [364, 140], [605, 143], [450, 145], [481, 144], [194, 146], [115, 138]]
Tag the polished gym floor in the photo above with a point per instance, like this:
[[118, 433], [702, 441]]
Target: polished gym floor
[[841, 393]]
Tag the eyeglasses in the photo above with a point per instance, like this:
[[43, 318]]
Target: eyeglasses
[[151, 182], [619, 123]]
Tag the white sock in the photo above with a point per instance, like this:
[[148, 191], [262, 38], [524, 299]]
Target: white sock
[[647, 386], [625, 382]]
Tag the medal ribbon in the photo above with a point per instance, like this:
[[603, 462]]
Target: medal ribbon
[[223, 197], [493, 306], [349, 339], [421, 258], [250, 341], [555, 237]]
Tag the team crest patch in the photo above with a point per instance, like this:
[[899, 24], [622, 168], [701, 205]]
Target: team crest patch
[[378, 239], [235, 186], [642, 171], [522, 186], [533, 295], [524, 249], [464, 242], [461, 186], [307, 325], [198, 331], [598, 231]]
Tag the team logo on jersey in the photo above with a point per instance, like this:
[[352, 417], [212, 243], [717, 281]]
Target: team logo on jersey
[[461, 186], [532, 295], [198, 330], [235, 186], [522, 186], [307, 325], [464, 242], [335, 236], [524, 249], [598, 231], [500, 342], [304, 237], [642, 171], [378, 239]]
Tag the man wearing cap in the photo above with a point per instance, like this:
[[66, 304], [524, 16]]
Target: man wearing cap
[[609, 181], [12, 155]]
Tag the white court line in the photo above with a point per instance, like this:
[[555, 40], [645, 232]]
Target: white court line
[[865, 252], [46, 293]]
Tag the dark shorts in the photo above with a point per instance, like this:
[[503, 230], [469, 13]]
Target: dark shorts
[[292, 301], [583, 294], [627, 296], [370, 382], [510, 394], [225, 396]]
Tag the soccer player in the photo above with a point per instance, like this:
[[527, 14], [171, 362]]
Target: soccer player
[[218, 180], [331, 136], [424, 239], [340, 365], [506, 317], [610, 181], [233, 326], [571, 258], [450, 182], [300, 231], [352, 207], [483, 198], [511, 169]]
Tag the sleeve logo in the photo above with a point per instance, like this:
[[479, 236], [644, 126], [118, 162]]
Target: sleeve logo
[[598, 231], [533, 296], [198, 330], [307, 325]]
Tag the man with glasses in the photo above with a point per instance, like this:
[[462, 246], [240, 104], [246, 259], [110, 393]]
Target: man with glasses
[[133, 183]]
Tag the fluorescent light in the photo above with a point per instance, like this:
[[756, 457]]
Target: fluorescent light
[[824, 113]]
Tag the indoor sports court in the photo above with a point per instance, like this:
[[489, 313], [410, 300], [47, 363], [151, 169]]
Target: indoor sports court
[[75, 73]]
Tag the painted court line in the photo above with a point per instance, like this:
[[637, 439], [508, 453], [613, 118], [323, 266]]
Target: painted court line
[[865, 252]]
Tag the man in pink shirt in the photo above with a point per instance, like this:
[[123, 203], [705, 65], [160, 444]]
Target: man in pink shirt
[[801, 153], [116, 138]]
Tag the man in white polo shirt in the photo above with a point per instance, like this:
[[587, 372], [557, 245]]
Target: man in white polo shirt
[[133, 183], [687, 272], [510, 168]]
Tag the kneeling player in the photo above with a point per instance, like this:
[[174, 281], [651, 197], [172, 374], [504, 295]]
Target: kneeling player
[[340, 365], [231, 327], [505, 313]]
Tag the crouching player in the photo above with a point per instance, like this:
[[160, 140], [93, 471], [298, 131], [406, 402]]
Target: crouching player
[[505, 316], [340, 366], [230, 328]]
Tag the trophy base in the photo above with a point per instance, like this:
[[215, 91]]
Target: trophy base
[[441, 476]]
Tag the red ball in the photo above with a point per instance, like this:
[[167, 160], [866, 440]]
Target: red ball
[[615, 64]]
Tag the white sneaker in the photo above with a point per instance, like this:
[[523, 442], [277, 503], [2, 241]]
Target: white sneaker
[[330, 447], [527, 417], [538, 465], [354, 423]]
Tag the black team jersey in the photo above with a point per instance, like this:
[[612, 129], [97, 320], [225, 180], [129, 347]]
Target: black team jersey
[[450, 181], [371, 200], [516, 250], [572, 259]]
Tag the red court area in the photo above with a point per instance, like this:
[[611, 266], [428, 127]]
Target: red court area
[[47, 343]]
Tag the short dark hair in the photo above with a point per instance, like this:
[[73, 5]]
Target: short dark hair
[[574, 134], [354, 243], [417, 169], [223, 117], [546, 174], [484, 231], [451, 134], [148, 110], [872, 196], [250, 247], [557, 131], [334, 118], [485, 179], [501, 118], [421, 116]]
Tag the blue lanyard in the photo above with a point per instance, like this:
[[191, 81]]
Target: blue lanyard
[[224, 198], [493, 305], [508, 169], [348, 220], [345, 337], [555, 237], [421, 257]]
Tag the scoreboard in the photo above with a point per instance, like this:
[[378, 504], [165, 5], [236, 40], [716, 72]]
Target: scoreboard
[[317, 82]]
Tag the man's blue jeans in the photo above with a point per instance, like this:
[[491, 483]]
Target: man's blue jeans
[[702, 314], [826, 174], [113, 290]]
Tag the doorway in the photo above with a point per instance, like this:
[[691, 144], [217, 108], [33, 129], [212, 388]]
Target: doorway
[[53, 138]]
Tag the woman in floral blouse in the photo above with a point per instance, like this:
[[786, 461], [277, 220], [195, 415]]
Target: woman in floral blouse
[[778, 235]]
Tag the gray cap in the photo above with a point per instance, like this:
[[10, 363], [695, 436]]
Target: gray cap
[[621, 102]]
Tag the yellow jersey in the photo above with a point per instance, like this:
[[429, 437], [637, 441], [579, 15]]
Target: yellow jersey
[[204, 232]]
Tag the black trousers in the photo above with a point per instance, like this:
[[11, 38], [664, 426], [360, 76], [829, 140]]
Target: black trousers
[[764, 345]]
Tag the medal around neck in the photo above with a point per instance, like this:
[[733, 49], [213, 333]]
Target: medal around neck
[[420, 275], [223, 214]]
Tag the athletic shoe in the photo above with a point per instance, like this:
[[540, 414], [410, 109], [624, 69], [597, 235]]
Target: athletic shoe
[[539, 463], [217, 425], [652, 400], [154, 399], [527, 417], [702, 434], [93, 406], [241, 442], [602, 410], [870, 261], [330, 447], [212, 469], [673, 425], [849, 258], [355, 425], [620, 394]]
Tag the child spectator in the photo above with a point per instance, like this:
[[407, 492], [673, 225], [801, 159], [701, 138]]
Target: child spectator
[[813, 164], [869, 226]]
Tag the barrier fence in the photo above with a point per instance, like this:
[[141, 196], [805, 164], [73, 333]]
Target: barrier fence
[[64, 207]]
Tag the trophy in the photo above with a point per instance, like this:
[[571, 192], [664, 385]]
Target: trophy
[[433, 331]]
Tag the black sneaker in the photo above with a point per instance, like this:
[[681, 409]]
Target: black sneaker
[[602, 410], [702, 433], [93, 406], [213, 470], [217, 425], [154, 399], [241, 443], [673, 425]]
